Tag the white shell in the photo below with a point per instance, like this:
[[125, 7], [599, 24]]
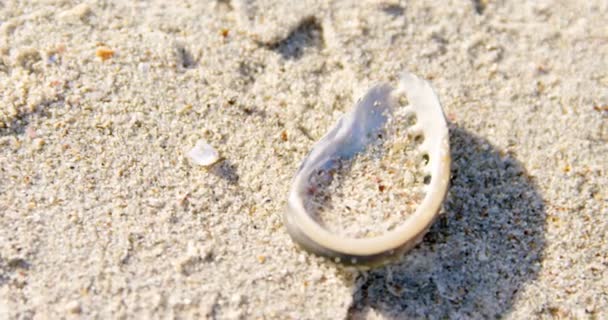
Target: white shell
[[203, 154], [350, 136]]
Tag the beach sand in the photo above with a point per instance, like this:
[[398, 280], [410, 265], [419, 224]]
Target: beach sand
[[103, 215]]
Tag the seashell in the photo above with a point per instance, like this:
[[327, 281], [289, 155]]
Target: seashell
[[351, 135]]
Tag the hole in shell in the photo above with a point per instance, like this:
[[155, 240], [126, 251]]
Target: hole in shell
[[427, 179], [425, 159]]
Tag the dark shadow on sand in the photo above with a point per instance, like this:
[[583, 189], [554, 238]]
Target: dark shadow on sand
[[479, 253]]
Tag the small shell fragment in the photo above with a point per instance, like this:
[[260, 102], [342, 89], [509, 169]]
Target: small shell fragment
[[203, 154]]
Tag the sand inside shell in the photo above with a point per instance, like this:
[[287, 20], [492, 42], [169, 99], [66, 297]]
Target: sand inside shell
[[376, 190]]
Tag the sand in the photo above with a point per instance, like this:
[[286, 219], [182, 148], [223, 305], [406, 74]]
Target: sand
[[378, 189], [103, 215]]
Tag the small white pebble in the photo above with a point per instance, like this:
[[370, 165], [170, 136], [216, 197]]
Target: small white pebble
[[301, 258], [316, 276], [203, 154], [192, 250], [237, 299]]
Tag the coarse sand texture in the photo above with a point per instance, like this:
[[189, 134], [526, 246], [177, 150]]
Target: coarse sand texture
[[147, 150]]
